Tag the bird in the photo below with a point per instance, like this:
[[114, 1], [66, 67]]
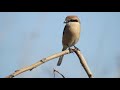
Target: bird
[[71, 34]]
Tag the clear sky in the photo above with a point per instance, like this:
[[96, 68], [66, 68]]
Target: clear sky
[[26, 37]]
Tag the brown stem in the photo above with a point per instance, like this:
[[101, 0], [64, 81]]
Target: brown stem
[[31, 67], [84, 63]]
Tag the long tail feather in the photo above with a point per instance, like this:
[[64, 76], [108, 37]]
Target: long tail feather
[[60, 60], [61, 57]]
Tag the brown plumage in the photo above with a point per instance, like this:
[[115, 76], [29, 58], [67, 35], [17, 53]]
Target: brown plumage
[[71, 34]]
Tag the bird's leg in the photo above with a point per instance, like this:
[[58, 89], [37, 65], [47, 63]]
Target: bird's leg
[[71, 51], [76, 48]]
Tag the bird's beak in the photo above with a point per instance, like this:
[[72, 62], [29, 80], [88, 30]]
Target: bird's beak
[[65, 22]]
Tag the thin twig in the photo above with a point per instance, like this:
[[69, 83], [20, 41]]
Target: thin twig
[[58, 73], [53, 72]]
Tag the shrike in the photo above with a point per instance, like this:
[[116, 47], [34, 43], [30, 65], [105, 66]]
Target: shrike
[[71, 34]]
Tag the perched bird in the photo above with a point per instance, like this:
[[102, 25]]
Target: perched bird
[[71, 34]]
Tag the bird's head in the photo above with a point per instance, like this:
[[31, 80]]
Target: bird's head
[[71, 18]]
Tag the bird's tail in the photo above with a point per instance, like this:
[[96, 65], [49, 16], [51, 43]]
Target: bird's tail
[[61, 58]]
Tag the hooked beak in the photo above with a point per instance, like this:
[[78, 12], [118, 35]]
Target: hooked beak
[[65, 22]]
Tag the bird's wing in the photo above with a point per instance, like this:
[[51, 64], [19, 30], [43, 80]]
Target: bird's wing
[[65, 29]]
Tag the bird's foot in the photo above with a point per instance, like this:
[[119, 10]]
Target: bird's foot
[[71, 51], [76, 48]]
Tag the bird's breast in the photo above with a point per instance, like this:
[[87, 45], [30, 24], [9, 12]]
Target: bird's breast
[[71, 34], [74, 28]]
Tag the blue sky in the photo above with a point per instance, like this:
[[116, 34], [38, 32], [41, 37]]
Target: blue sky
[[26, 37]]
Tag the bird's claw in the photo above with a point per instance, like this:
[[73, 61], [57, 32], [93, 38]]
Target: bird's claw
[[76, 48], [71, 51]]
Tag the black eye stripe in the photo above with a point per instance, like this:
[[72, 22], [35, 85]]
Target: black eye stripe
[[73, 20]]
